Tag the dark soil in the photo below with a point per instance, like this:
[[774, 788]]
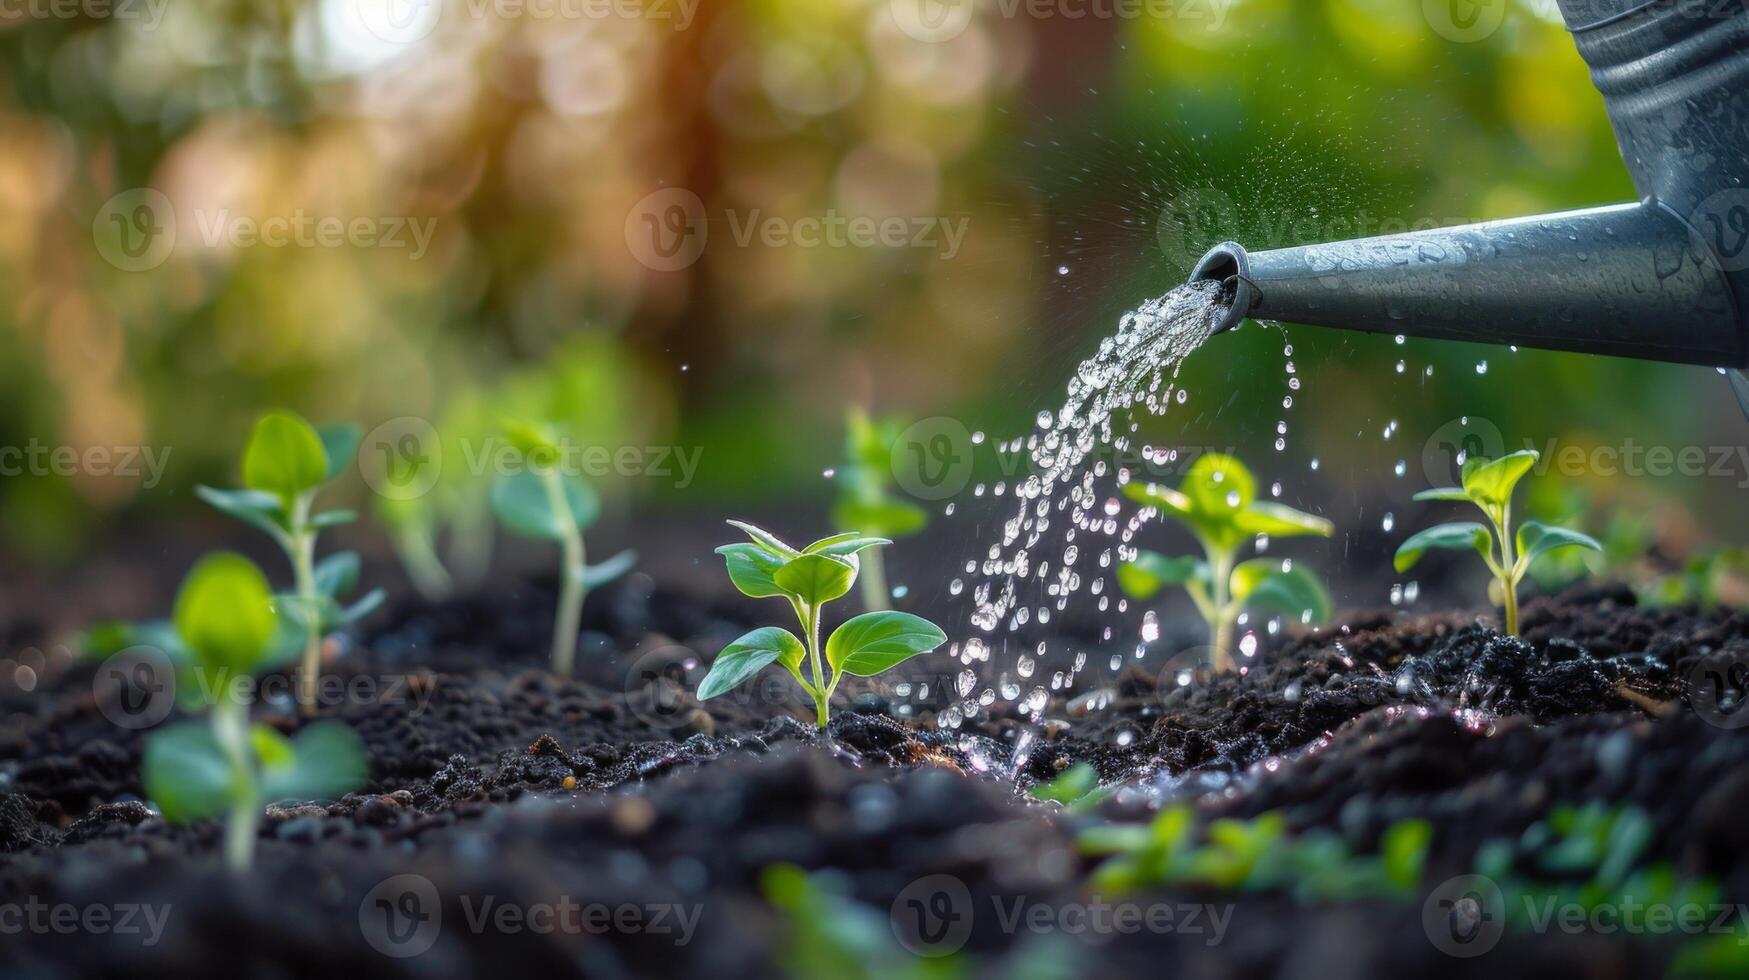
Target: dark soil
[[498, 783]]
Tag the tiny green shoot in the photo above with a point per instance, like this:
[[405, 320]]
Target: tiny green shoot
[[1488, 484], [285, 463], [1217, 501], [865, 645], [540, 502], [866, 500], [225, 618]]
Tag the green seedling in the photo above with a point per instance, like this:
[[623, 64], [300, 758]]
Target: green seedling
[[1218, 502], [1488, 484], [809, 578], [866, 500], [225, 619], [407, 507], [1076, 788], [285, 463], [1254, 855], [542, 503]]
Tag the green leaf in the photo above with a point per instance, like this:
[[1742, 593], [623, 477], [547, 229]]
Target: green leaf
[[1403, 849], [843, 545], [285, 456], [538, 444], [224, 613], [607, 571], [340, 444], [816, 579], [260, 510], [333, 518], [1219, 486], [747, 656], [322, 610], [1536, 539], [271, 748], [1280, 521], [886, 517], [1169, 501], [337, 574], [187, 774], [1460, 536], [765, 539], [751, 569], [1070, 785], [1262, 583], [1151, 571], [872, 642], [1491, 481], [523, 504], [365, 605], [328, 760], [1443, 493]]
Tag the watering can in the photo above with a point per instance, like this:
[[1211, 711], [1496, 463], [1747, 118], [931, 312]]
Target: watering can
[[1663, 279]]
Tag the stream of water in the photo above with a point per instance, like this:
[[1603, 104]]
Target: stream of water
[[1069, 528]]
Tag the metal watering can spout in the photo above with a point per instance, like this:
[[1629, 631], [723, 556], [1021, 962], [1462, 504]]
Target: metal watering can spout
[[1664, 279]]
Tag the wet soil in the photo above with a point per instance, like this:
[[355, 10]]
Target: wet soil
[[508, 793]]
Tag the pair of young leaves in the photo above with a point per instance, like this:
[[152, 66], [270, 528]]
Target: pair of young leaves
[[1218, 502], [284, 463], [865, 645], [225, 621], [525, 506], [1489, 484]]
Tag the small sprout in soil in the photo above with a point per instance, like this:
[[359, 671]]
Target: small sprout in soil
[[542, 503], [809, 578], [285, 462], [1218, 503], [1255, 855], [412, 525], [1488, 484], [225, 619], [866, 500], [830, 934]]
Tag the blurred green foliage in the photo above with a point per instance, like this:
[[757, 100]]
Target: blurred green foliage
[[1072, 149]]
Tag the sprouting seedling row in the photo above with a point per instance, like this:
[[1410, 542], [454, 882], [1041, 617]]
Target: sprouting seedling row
[[1489, 484], [809, 578], [1217, 503]]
